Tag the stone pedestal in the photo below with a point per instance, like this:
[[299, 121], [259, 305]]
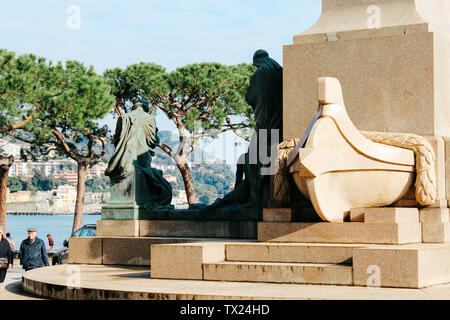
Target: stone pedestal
[[392, 58]]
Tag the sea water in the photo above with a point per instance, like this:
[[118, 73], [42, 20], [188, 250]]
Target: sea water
[[60, 227]]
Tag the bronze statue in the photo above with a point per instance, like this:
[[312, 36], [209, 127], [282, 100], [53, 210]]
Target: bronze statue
[[132, 177], [265, 95]]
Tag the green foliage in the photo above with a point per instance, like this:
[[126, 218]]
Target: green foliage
[[71, 99], [42, 182], [98, 184], [14, 184], [38, 182], [199, 96], [40, 98], [202, 99], [128, 83]]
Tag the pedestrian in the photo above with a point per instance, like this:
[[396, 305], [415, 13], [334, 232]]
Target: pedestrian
[[32, 251], [50, 241], [11, 241], [6, 258]]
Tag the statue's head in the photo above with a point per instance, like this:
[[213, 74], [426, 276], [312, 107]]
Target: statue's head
[[260, 57], [141, 103]]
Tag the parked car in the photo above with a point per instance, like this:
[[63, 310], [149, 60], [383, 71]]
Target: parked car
[[62, 255]]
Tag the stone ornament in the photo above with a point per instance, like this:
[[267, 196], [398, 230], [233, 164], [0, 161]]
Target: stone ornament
[[340, 168]]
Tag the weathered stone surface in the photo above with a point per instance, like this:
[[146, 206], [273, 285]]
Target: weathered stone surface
[[434, 215], [86, 250], [131, 251], [279, 272], [117, 211], [447, 167], [385, 215], [291, 252], [278, 214], [438, 144], [352, 232], [184, 261], [201, 229], [408, 266], [117, 228], [436, 232], [126, 283]]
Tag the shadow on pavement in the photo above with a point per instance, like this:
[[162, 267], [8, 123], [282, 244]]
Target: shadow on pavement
[[14, 291]]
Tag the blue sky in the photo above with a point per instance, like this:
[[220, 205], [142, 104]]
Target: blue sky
[[171, 33]]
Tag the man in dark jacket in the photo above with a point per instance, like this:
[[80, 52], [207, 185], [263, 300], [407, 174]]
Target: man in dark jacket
[[32, 252]]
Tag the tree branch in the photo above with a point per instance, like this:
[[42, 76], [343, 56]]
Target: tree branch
[[17, 126], [166, 149], [66, 147], [235, 130]]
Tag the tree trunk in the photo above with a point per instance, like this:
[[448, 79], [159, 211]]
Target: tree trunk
[[185, 171], [5, 164], [79, 203]]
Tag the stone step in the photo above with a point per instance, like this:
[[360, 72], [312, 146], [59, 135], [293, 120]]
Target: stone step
[[291, 252], [349, 232], [177, 228], [131, 251], [298, 273]]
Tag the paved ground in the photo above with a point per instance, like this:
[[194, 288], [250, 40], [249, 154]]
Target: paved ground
[[130, 282], [11, 289]]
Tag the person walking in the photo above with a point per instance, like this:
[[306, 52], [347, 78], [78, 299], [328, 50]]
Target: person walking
[[6, 258], [32, 252], [50, 242]]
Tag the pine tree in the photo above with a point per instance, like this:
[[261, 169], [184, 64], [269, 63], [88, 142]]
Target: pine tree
[[201, 99], [54, 108]]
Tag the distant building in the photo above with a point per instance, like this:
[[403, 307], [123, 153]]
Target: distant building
[[97, 197], [20, 169], [19, 196], [180, 201], [64, 198], [70, 176]]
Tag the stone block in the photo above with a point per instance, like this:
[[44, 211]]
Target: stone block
[[326, 274], [407, 266], [438, 145], [184, 261], [291, 252], [120, 211], [428, 215], [436, 232], [201, 229], [387, 103], [118, 228], [385, 215], [447, 167], [86, 250], [357, 215], [133, 251], [278, 214], [352, 232], [126, 251]]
